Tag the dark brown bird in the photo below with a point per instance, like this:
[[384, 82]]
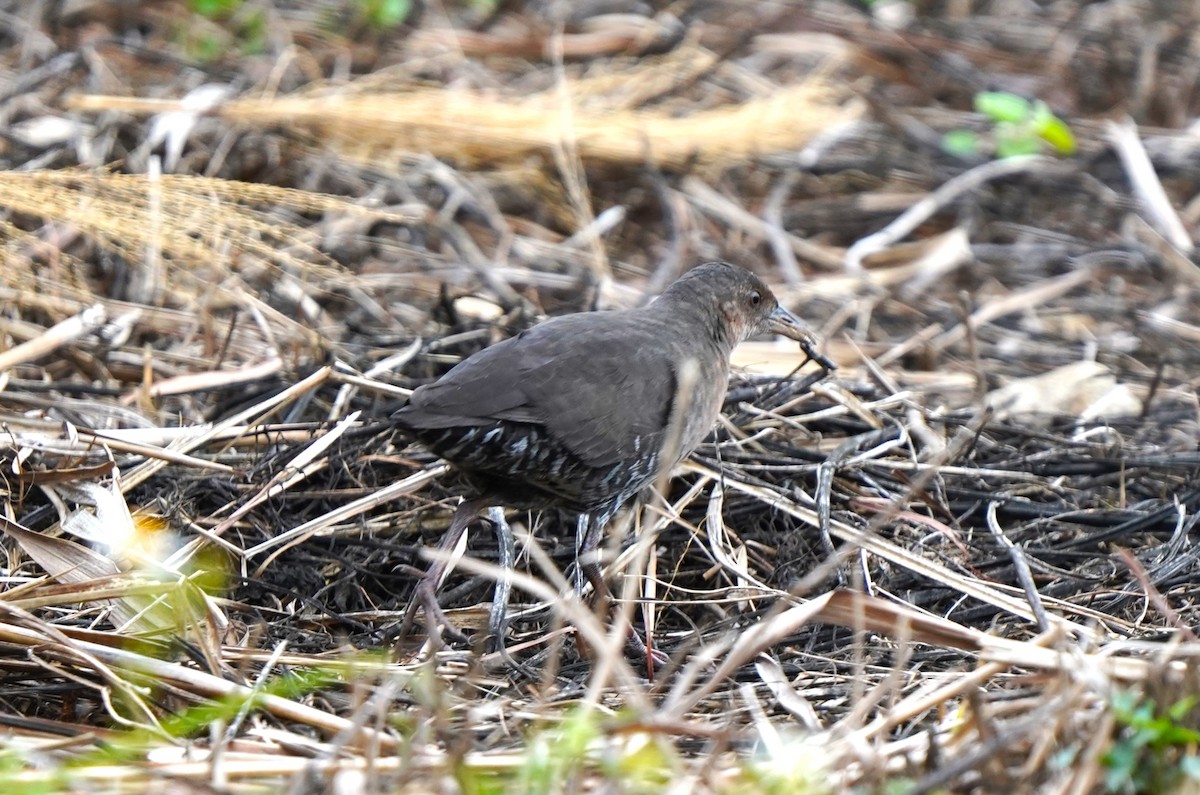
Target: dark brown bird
[[577, 413]]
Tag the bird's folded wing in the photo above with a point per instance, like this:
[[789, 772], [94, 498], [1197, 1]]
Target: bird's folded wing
[[478, 391], [606, 397], [608, 400]]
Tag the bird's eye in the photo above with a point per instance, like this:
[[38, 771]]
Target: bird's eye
[[755, 298]]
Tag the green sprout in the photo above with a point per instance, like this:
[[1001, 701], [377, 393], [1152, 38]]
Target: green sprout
[[1019, 127], [214, 9], [383, 15], [587, 743], [226, 27]]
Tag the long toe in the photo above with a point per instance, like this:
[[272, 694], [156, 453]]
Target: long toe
[[648, 660], [431, 580], [439, 625]]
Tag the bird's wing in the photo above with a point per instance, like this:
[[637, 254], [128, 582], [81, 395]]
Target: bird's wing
[[479, 390], [606, 397]]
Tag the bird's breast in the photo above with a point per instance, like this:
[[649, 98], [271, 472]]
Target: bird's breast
[[709, 376]]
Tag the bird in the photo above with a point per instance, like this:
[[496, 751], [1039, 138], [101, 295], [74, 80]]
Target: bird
[[582, 412]]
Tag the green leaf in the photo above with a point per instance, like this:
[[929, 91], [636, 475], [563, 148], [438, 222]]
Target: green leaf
[[1002, 106], [1052, 129], [961, 143], [1123, 704], [1143, 716], [1013, 140], [1119, 762], [1180, 709], [386, 14], [214, 9], [207, 48], [1171, 733]]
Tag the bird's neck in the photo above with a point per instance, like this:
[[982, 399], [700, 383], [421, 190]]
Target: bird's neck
[[702, 320]]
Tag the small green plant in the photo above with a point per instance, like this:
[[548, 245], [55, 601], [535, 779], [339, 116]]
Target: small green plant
[[383, 15], [195, 720], [1019, 127], [25, 770], [226, 25], [789, 765], [1154, 750], [587, 743], [214, 9], [557, 756]]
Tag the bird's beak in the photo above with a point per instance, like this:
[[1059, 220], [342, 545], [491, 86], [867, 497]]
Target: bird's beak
[[783, 322]]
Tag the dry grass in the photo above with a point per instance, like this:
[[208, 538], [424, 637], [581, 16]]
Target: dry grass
[[597, 118], [942, 568]]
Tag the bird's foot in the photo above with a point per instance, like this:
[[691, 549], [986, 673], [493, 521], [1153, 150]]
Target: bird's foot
[[438, 625], [640, 654], [636, 650], [644, 659]]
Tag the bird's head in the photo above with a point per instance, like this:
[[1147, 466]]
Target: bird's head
[[742, 306]]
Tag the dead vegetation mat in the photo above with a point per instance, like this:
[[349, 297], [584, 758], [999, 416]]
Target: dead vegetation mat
[[942, 565]]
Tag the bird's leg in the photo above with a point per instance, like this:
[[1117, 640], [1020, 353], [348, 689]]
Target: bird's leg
[[588, 529], [506, 560], [426, 593]]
